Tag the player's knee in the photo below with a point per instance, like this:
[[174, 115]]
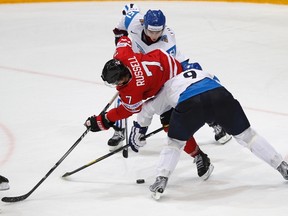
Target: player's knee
[[246, 137], [174, 143]]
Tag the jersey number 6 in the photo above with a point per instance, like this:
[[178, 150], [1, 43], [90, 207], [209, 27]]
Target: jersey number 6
[[190, 73]]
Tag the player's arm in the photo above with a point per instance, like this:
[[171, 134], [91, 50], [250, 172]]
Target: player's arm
[[106, 120], [186, 65], [119, 113], [124, 50], [157, 105], [121, 29], [118, 33]]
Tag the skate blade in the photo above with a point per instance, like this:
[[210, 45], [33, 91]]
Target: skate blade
[[4, 186], [225, 139], [156, 195], [208, 173], [114, 148]]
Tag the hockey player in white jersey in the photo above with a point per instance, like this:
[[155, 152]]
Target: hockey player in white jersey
[[198, 98], [149, 32]]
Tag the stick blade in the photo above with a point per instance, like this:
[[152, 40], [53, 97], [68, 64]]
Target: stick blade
[[66, 174], [14, 199]]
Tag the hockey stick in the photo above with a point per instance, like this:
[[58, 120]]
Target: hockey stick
[[109, 154], [23, 197], [125, 150], [110, 102]]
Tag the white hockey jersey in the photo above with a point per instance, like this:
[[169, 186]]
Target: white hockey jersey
[[181, 87], [132, 22]]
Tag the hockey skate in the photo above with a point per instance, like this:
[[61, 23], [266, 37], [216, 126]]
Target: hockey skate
[[158, 187], [283, 169], [204, 167], [116, 141], [4, 183], [220, 134]]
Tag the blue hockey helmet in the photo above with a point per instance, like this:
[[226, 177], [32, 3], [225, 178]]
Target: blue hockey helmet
[[154, 20]]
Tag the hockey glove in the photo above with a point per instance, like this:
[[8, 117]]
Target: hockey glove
[[97, 123], [118, 34], [187, 66], [137, 132], [165, 118]]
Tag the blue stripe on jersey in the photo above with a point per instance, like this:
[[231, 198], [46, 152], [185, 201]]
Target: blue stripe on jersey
[[203, 85], [172, 51], [140, 48], [129, 17]]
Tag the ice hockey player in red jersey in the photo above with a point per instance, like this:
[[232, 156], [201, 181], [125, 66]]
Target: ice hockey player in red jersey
[[138, 77]]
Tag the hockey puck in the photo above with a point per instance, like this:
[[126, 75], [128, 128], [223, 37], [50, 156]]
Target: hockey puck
[[140, 181]]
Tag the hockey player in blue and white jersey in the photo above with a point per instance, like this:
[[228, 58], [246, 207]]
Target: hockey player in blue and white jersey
[[149, 32], [197, 98]]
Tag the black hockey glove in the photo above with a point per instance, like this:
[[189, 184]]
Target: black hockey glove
[[97, 123], [165, 118], [118, 34]]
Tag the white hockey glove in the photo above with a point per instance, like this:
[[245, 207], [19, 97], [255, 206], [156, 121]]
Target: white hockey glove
[[137, 132]]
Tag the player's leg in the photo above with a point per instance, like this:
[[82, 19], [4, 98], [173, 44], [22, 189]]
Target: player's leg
[[232, 117], [263, 150], [181, 128], [220, 134], [169, 157], [204, 166], [116, 141]]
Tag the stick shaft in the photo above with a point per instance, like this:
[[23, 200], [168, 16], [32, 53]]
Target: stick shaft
[[20, 198], [23, 197], [109, 154]]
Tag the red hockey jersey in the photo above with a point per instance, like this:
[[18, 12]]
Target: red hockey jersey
[[149, 73]]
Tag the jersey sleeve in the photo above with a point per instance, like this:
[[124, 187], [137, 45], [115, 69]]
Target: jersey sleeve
[[121, 29], [157, 105], [124, 50], [178, 55], [120, 24], [118, 113], [131, 103], [127, 20]]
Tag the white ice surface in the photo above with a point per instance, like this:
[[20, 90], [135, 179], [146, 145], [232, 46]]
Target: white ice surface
[[51, 57]]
